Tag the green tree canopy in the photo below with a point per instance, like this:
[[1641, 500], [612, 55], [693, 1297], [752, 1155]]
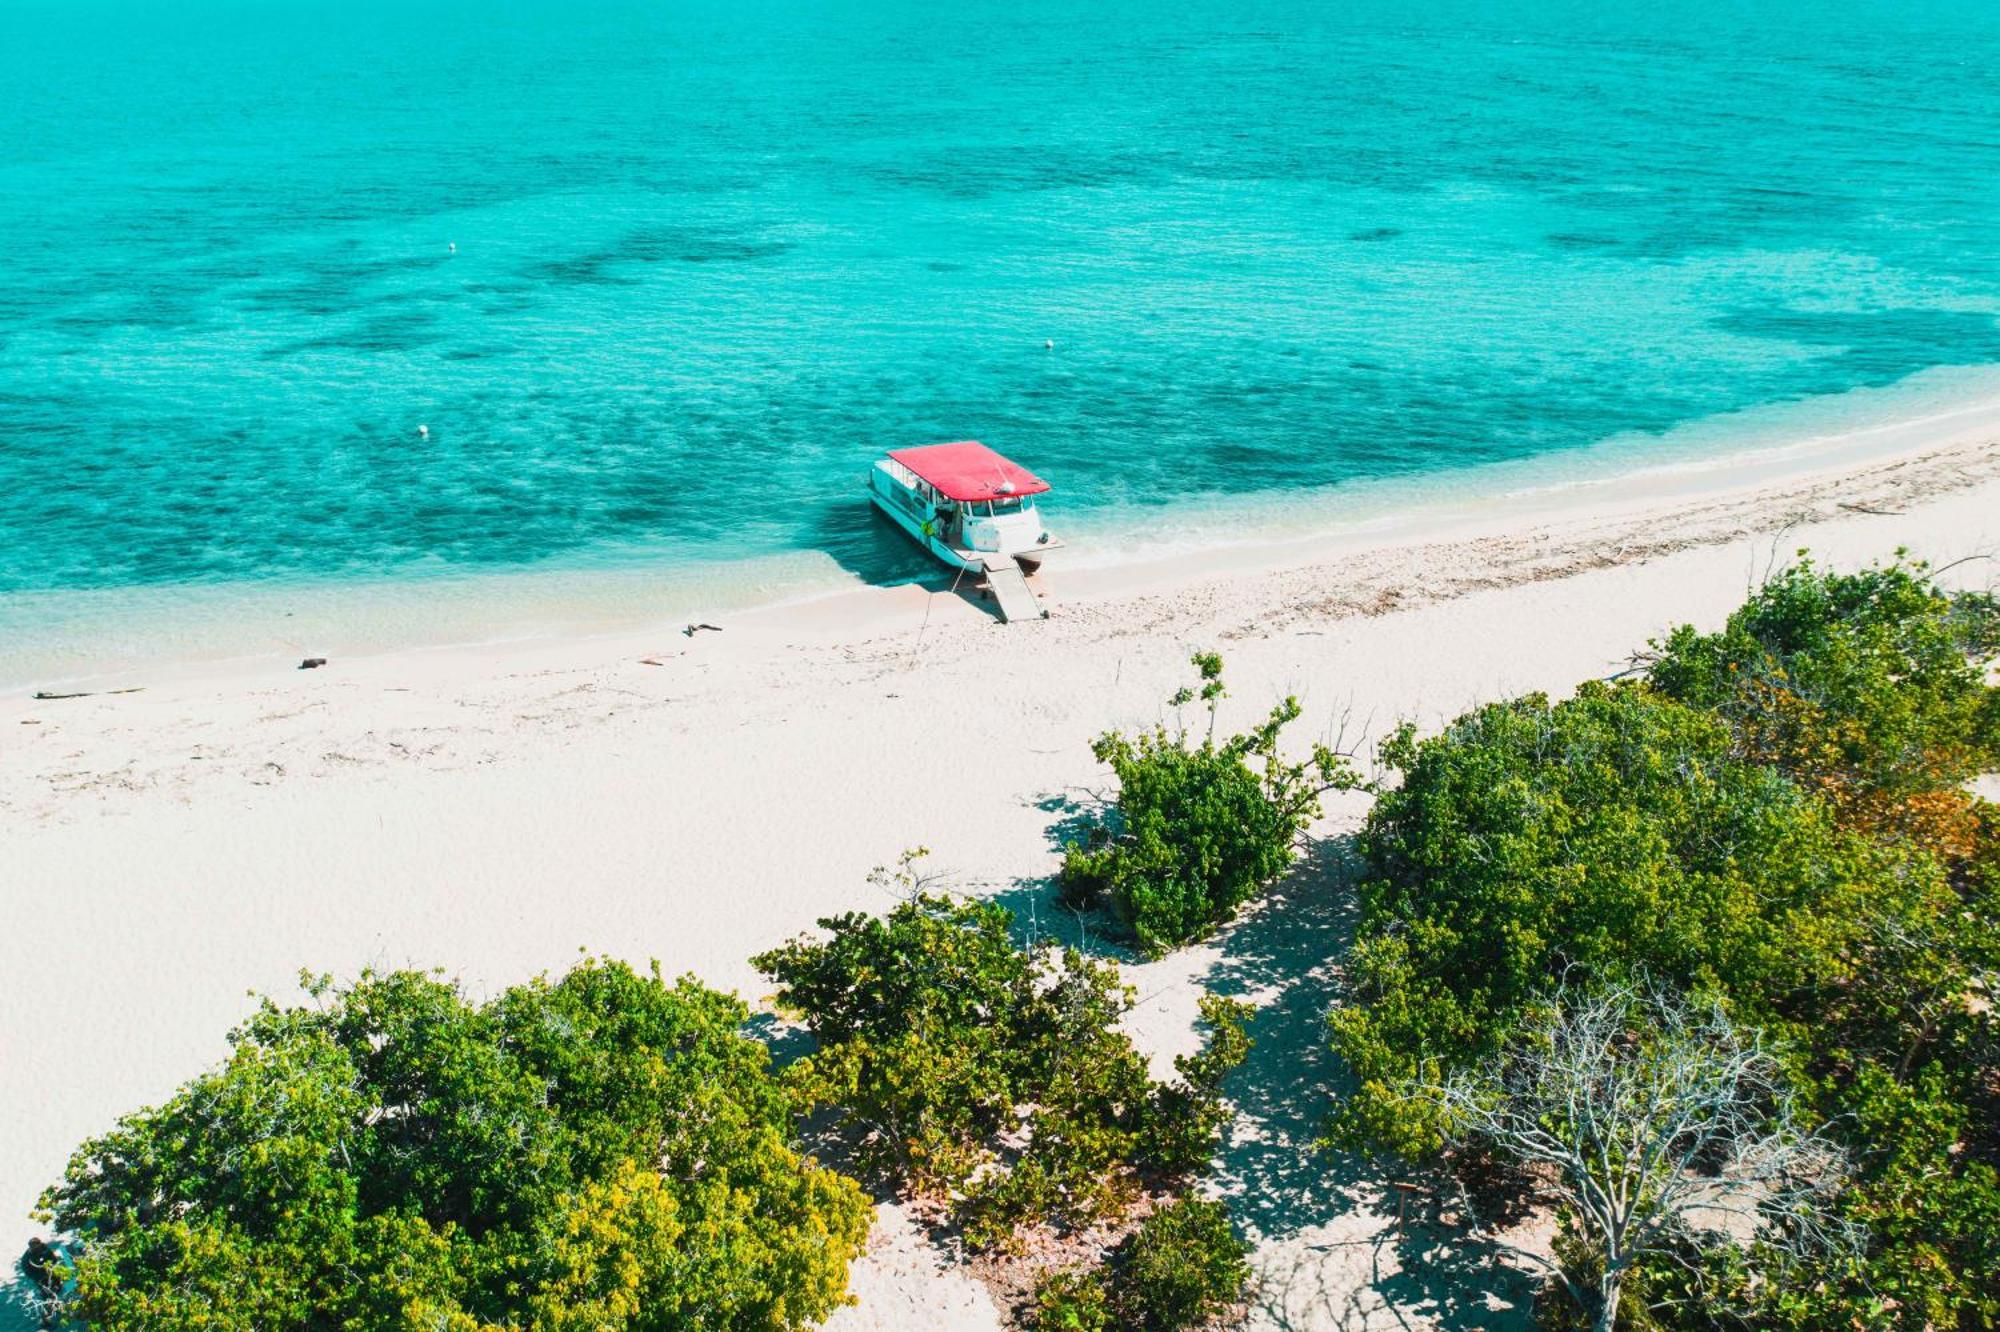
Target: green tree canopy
[[994, 1076], [1776, 820], [1869, 687], [1617, 831], [605, 1151]]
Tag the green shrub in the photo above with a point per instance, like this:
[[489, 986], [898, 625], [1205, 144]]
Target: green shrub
[[1074, 1300], [993, 1076], [1870, 690], [1618, 832], [605, 1151], [1776, 819], [1181, 1268], [1178, 1137], [1932, 1205], [1198, 828], [1867, 687]]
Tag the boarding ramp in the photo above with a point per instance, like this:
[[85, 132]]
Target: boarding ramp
[[1011, 591]]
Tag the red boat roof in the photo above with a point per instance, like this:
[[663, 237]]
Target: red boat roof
[[968, 471]]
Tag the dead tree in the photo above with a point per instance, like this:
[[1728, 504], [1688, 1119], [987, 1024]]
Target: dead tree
[[1660, 1124]]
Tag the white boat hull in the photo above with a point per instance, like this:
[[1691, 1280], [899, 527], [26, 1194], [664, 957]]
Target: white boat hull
[[913, 527], [919, 522]]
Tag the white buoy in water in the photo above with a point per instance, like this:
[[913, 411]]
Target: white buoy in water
[[452, 246], [1048, 344], [424, 430]]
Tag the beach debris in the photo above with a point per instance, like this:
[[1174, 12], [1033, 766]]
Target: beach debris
[[312, 663], [45, 696], [31, 721], [694, 629], [1871, 510]]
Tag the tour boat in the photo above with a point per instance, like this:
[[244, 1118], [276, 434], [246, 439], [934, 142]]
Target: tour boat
[[971, 509]]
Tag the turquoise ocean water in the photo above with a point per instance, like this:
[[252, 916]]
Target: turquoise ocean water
[[661, 278]]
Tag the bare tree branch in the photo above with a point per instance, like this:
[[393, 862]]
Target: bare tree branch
[[1660, 1123]]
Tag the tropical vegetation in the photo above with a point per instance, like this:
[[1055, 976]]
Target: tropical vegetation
[[993, 1077], [1199, 826], [1771, 824], [1702, 959], [1184, 1267], [605, 1151]]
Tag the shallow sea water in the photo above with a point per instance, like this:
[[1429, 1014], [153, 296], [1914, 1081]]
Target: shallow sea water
[[661, 279]]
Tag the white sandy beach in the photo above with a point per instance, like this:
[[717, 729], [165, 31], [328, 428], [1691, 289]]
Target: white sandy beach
[[494, 810]]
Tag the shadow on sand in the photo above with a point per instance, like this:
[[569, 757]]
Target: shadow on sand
[[1331, 1254], [20, 1310], [866, 544]]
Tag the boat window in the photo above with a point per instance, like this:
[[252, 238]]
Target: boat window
[[1008, 505]]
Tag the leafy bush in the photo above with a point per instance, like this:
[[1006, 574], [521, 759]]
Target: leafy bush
[[1198, 828], [1868, 687], [1775, 819], [992, 1076], [606, 1151], [1074, 1300], [1932, 1206], [1178, 1136], [1182, 1268], [1617, 831]]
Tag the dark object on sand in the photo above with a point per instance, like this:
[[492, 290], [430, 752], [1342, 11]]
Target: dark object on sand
[[312, 663], [692, 629], [48, 697], [42, 1265]]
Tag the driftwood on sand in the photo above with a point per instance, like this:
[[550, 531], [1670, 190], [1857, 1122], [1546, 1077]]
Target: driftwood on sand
[[47, 696]]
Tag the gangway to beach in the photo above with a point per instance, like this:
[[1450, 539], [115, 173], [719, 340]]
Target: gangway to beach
[[1011, 592]]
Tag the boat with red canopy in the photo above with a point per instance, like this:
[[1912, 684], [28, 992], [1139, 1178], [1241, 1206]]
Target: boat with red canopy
[[971, 508]]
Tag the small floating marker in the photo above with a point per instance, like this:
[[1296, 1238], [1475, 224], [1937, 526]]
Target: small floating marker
[[424, 431], [1048, 344], [451, 246]]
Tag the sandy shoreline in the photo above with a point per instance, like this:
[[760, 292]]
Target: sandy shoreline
[[123, 637], [494, 810]]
